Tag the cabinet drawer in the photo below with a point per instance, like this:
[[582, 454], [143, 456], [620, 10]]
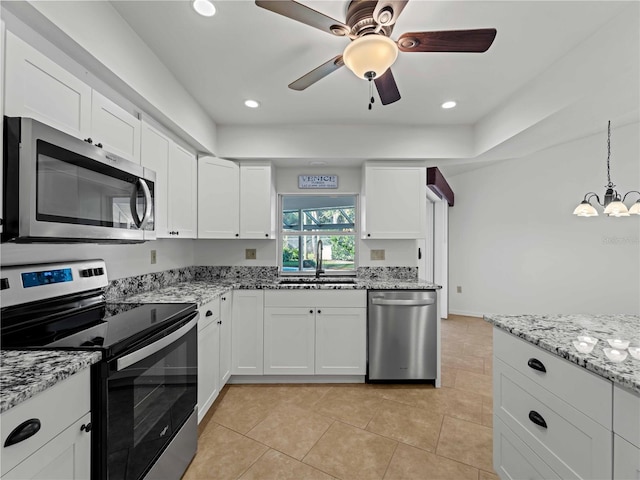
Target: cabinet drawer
[[626, 415], [584, 390], [209, 313], [56, 408], [315, 298], [626, 460], [572, 444], [513, 459]]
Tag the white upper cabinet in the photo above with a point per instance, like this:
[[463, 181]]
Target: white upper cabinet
[[183, 193], [154, 154], [257, 201], [394, 203], [176, 183], [37, 87], [218, 198], [114, 128]]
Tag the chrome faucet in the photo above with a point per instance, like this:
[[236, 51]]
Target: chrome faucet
[[319, 269]]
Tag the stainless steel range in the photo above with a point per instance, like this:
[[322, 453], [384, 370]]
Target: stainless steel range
[[144, 391]]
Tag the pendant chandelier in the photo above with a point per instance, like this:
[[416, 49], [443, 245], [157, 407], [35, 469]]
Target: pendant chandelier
[[613, 205]]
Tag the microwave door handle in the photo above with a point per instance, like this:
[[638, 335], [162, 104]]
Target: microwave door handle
[[148, 205], [155, 347], [133, 204]]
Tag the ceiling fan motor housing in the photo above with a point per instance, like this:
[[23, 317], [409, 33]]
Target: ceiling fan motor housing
[[360, 18]]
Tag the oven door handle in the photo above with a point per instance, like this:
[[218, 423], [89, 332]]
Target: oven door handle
[[133, 203], [155, 347]]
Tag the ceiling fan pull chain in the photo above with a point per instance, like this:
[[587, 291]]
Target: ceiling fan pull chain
[[371, 99]]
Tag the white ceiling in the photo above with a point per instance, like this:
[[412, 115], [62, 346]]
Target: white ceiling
[[247, 52]]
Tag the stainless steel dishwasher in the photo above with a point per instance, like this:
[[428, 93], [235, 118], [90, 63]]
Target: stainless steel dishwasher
[[402, 332]]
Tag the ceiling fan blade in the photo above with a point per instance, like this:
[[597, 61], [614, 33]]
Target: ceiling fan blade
[[301, 13], [394, 7], [387, 88], [317, 74], [472, 41]]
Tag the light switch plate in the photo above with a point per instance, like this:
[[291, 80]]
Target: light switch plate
[[459, 289], [377, 254], [154, 257], [250, 253]]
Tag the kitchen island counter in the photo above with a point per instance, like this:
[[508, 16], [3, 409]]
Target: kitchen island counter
[[555, 333]]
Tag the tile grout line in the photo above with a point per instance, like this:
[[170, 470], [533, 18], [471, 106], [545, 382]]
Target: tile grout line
[[390, 460]]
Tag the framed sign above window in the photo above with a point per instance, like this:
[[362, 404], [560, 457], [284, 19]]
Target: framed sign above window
[[317, 181]]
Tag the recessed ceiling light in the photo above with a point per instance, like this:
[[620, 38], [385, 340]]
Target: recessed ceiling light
[[252, 103], [449, 104], [204, 8]]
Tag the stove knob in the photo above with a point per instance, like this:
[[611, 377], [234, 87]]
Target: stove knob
[[98, 271]]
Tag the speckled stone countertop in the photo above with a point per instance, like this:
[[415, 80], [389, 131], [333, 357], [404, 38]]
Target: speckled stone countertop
[[202, 292], [555, 333], [24, 373]]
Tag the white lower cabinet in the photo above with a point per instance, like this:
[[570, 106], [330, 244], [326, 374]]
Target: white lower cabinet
[[321, 332], [226, 304], [208, 356], [541, 428], [61, 448], [247, 332], [626, 438]]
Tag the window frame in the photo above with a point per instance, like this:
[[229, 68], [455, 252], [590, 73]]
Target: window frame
[[282, 233]]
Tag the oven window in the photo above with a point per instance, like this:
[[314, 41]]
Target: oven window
[[148, 402]]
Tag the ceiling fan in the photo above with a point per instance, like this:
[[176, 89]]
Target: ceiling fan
[[371, 53]]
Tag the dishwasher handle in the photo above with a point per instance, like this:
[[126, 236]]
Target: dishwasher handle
[[408, 303]]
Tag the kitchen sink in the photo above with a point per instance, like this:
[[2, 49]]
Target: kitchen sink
[[317, 281]]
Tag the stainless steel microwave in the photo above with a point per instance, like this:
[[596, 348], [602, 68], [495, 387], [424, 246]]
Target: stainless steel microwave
[[58, 188]]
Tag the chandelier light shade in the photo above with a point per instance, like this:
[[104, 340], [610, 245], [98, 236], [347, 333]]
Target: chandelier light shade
[[611, 201], [371, 53]]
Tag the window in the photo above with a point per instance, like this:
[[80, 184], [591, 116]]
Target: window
[[306, 219]]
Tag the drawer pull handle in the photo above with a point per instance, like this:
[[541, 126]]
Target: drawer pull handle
[[536, 418], [537, 365], [23, 431]]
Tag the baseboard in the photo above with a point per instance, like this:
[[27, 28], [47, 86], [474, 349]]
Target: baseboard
[[266, 379], [465, 313]]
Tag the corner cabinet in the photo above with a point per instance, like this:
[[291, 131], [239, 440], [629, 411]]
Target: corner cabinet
[[257, 201], [394, 202], [176, 183], [218, 198], [61, 448], [321, 332]]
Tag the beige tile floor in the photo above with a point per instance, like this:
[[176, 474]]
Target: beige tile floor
[[351, 432]]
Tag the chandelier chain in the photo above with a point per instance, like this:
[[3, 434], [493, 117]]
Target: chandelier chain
[[609, 184]]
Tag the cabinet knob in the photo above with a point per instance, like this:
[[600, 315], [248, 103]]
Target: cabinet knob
[[536, 365], [224, 298], [536, 418], [177, 232], [88, 140], [99, 145], [208, 314], [266, 235], [237, 234], [368, 234], [319, 311], [86, 428], [23, 431], [310, 311], [219, 322]]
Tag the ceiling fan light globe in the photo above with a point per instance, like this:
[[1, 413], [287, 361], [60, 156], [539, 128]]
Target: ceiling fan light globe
[[585, 209], [371, 53], [635, 208], [616, 209]]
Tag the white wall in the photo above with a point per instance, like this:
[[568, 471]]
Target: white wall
[[515, 246], [122, 260]]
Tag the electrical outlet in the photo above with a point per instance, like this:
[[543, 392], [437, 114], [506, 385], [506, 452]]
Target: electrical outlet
[[154, 257], [459, 289], [250, 253], [377, 254]]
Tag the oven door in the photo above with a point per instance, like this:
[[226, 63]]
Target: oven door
[[151, 392], [70, 189]]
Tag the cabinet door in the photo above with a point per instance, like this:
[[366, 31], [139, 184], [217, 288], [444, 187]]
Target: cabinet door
[[65, 457], [183, 190], [341, 341], [225, 338], [218, 198], [626, 460], [208, 367], [247, 333], [37, 87], [116, 129], [395, 202], [257, 202], [154, 154], [289, 338]]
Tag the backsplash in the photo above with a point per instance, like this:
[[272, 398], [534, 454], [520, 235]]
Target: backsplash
[[387, 273], [149, 281], [235, 273]]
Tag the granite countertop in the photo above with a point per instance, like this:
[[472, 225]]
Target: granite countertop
[[24, 373], [555, 333], [202, 292]]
